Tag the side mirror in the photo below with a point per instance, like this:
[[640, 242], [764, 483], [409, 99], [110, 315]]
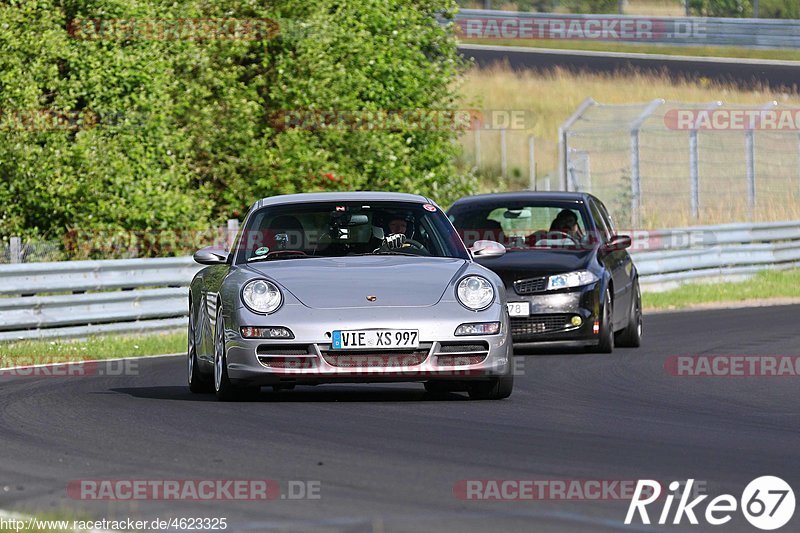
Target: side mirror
[[211, 255], [616, 242], [486, 249]]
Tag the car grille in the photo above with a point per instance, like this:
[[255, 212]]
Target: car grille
[[287, 362], [281, 350], [287, 356], [530, 286], [392, 359], [457, 354], [538, 324]]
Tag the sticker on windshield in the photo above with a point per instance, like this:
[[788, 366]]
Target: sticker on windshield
[[429, 207], [263, 250]]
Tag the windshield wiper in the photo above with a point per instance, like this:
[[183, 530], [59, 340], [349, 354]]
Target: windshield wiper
[[284, 255]]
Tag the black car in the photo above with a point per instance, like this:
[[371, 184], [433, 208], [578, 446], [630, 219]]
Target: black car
[[568, 276]]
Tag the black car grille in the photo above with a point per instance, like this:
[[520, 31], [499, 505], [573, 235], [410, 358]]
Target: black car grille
[[293, 363], [457, 354], [539, 324], [530, 286], [352, 359]]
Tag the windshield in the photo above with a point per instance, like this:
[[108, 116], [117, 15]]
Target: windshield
[[338, 229], [557, 225]]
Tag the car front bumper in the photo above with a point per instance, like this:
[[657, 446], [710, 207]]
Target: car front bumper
[[309, 358], [551, 316]]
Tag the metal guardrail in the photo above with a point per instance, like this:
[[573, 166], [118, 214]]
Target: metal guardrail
[[727, 251], [135, 295], [114, 296], [692, 31]]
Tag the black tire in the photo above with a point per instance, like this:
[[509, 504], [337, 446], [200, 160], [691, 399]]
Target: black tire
[[497, 389], [606, 342], [199, 383], [631, 336], [445, 387], [225, 390]]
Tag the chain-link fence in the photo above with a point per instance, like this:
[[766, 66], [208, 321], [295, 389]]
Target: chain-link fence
[[666, 164]]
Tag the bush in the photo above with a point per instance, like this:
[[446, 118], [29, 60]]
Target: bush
[[721, 8], [779, 9], [183, 135]]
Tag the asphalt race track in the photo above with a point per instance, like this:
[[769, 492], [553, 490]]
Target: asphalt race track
[[387, 457], [746, 73]]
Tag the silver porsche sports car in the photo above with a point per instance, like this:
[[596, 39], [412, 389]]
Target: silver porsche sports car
[[348, 287]]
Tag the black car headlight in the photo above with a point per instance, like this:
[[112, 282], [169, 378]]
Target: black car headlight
[[569, 280], [475, 293], [262, 296]]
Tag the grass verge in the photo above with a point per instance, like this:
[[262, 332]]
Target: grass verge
[[99, 347], [764, 286], [635, 48]]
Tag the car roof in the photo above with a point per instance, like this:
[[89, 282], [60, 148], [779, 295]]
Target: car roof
[[521, 196], [358, 196]]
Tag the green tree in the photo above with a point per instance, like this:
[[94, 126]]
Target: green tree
[[186, 135]]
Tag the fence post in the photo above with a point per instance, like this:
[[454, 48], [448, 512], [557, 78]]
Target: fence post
[[15, 250], [531, 164], [750, 159], [636, 178], [563, 148], [233, 229], [503, 154], [694, 166], [694, 174], [478, 147]]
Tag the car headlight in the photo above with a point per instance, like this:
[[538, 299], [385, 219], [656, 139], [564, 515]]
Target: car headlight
[[262, 296], [570, 279], [475, 292]]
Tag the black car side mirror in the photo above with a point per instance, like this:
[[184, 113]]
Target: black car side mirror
[[616, 242], [211, 255]]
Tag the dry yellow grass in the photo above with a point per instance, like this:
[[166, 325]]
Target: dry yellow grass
[[655, 8], [552, 97]]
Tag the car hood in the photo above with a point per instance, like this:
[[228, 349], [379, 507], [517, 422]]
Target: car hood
[[345, 282], [522, 264]]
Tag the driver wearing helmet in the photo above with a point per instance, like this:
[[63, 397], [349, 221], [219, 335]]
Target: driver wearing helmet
[[397, 229]]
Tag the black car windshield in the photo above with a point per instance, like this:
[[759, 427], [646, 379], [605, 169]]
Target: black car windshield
[[555, 225], [338, 229]]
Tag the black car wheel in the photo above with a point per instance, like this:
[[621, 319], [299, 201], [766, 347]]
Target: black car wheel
[[198, 382], [226, 391], [606, 342], [631, 336], [496, 389]]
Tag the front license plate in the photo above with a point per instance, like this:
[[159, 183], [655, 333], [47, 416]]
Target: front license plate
[[375, 339], [519, 308]]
